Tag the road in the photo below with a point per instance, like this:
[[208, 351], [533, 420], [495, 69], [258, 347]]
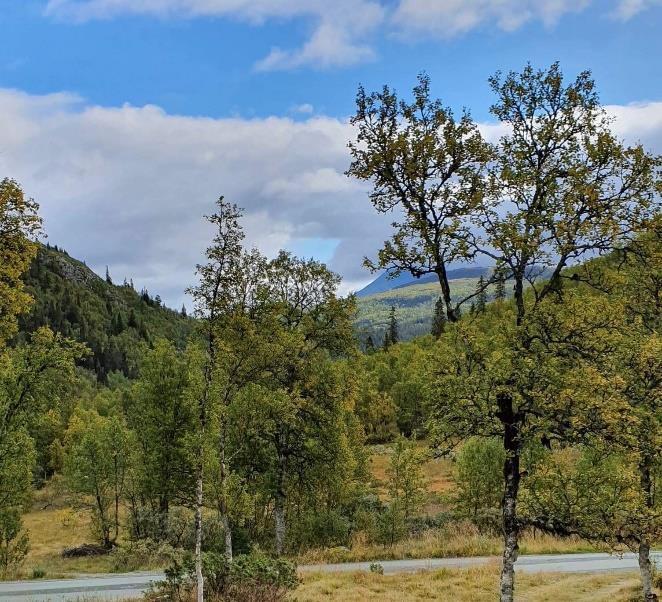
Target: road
[[131, 585]]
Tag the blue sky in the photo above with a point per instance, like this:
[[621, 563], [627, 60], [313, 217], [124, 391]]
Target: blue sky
[[126, 118]]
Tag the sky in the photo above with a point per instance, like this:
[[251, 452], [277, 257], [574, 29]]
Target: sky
[[126, 119]]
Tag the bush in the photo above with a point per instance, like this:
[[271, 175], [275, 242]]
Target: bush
[[14, 543], [144, 554], [251, 577], [479, 478]]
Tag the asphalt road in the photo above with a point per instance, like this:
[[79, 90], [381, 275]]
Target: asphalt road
[[131, 585]]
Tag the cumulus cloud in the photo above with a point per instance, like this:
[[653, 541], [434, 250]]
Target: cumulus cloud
[[448, 18], [127, 186], [333, 42], [626, 9], [341, 30]]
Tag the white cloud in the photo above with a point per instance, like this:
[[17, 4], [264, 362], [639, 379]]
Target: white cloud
[[333, 42], [127, 186], [330, 46], [448, 18], [626, 9], [341, 30], [305, 108]]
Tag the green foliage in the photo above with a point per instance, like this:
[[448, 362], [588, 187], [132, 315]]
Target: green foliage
[[19, 225], [426, 164], [251, 577], [96, 463], [160, 409], [113, 321], [14, 543], [406, 486], [479, 480]]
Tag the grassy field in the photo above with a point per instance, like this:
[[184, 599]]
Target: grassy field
[[466, 585], [54, 525], [461, 585]]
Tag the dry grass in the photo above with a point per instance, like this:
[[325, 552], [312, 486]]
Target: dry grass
[[51, 531], [438, 471], [456, 540], [465, 585]]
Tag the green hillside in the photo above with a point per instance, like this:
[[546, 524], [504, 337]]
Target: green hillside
[[414, 308], [112, 320]]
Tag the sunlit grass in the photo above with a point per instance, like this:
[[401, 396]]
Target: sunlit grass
[[466, 585]]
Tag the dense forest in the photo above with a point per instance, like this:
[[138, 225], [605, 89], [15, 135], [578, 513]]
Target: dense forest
[[228, 445], [112, 320]]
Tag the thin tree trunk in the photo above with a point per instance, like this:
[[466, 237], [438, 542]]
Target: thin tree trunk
[[223, 504], [198, 530], [511, 475], [164, 511], [279, 506], [645, 568]]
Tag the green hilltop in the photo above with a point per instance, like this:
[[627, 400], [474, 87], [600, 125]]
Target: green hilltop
[[112, 320]]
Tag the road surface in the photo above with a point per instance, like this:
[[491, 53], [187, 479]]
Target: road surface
[[132, 585]]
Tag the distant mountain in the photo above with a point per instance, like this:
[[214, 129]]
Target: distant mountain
[[112, 320], [414, 308], [383, 283]]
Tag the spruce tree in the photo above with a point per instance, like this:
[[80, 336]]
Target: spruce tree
[[393, 335], [386, 341], [109, 280], [500, 288], [438, 319], [481, 295]]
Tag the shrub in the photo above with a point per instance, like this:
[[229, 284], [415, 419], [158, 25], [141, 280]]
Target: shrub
[[14, 543], [251, 577], [377, 568], [143, 554], [478, 474]]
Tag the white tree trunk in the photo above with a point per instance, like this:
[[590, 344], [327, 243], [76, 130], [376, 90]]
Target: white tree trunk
[[198, 535]]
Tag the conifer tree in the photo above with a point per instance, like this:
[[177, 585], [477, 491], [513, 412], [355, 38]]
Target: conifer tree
[[438, 319], [500, 288], [109, 280], [393, 335], [481, 295]]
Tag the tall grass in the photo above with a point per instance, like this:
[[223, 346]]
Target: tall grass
[[454, 540]]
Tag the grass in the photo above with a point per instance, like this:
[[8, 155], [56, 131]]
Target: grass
[[458, 540], [466, 585], [51, 531]]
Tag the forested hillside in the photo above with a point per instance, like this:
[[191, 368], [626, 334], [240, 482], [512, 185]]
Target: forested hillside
[[112, 320]]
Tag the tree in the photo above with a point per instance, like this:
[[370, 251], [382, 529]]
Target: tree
[[481, 295], [161, 411], [96, 464], [109, 280], [561, 188], [393, 335], [406, 486], [305, 324], [500, 288], [19, 225], [479, 481], [215, 277], [438, 319], [426, 165]]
